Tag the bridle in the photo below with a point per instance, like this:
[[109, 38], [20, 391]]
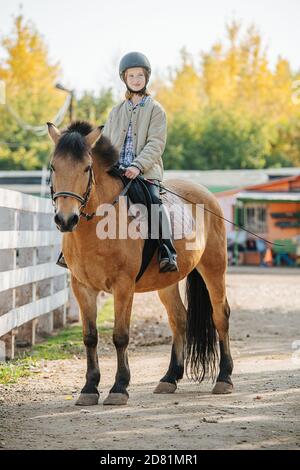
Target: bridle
[[82, 199]]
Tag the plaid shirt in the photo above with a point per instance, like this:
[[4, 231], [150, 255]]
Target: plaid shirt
[[127, 153]]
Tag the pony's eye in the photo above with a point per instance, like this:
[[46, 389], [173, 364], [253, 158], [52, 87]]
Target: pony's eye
[[52, 168], [87, 168]]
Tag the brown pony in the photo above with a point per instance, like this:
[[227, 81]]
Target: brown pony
[[80, 179]]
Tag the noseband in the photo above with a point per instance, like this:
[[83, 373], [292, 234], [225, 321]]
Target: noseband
[[82, 199]]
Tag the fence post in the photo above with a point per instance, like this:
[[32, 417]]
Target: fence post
[[9, 341], [2, 351]]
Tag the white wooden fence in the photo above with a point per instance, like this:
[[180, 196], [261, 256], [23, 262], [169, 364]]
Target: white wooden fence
[[34, 291]]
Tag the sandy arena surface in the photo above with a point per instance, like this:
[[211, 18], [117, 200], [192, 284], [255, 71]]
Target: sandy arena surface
[[263, 412]]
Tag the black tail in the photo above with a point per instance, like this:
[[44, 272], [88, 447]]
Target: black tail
[[201, 340]]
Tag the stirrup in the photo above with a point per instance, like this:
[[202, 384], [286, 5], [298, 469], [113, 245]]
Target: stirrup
[[61, 261], [169, 263]]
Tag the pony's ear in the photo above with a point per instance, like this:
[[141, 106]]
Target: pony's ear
[[53, 132], [93, 136]]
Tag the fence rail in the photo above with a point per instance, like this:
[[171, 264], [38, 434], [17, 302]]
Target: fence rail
[[34, 291]]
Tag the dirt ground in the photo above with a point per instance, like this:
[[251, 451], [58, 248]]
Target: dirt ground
[[263, 412]]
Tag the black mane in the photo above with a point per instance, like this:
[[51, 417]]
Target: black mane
[[72, 142], [82, 127]]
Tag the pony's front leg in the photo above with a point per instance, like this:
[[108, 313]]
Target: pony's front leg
[[123, 297], [87, 300]]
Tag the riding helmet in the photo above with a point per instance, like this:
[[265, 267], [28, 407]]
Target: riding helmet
[[134, 59]]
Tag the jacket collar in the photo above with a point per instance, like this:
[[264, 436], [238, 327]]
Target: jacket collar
[[129, 104]]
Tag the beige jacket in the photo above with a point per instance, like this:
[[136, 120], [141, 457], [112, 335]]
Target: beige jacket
[[149, 134]]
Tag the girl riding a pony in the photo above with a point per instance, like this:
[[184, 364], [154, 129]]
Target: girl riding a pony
[[137, 128]]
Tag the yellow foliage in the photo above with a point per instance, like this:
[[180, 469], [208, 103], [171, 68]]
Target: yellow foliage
[[29, 76], [30, 91], [236, 76]]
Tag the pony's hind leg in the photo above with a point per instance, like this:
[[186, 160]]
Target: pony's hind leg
[[170, 297], [214, 278], [87, 300]]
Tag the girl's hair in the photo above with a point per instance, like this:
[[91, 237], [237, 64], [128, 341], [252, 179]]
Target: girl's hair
[[128, 94]]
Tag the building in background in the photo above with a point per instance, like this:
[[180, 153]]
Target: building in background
[[270, 210]]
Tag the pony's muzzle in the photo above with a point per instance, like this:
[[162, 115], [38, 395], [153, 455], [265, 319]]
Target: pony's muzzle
[[66, 224]]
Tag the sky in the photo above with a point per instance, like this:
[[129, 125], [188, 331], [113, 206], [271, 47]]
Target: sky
[[89, 37]]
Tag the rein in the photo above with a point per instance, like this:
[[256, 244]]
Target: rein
[[217, 215]]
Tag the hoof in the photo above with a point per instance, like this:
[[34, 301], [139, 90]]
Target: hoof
[[165, 387], [116, 399], [222, 388], [87, 399]]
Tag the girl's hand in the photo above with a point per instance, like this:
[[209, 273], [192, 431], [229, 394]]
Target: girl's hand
[[132, 172]]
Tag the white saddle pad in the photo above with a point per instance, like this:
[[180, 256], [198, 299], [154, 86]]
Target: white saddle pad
[[182, 221]]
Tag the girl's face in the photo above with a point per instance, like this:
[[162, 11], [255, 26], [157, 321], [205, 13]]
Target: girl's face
[[135, 78]]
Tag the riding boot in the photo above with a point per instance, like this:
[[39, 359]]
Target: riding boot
[[161, 227], [167, 256], [61, 261]]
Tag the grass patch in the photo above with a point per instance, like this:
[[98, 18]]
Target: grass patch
[[11, 371], [63, 345]]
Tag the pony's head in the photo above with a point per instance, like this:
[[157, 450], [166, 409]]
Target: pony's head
[[71, 171]]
